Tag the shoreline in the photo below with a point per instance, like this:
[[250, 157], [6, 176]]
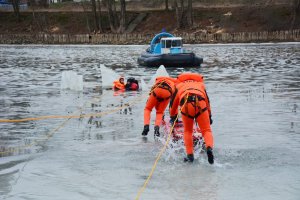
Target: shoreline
[[137, 8], [186, 45], [144, 39]]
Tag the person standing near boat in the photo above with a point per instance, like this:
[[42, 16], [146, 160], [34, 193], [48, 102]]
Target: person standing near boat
[[159, 98], [190, 94]]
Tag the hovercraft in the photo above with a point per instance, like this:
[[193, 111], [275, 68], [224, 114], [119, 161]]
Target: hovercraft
[[166, 49]]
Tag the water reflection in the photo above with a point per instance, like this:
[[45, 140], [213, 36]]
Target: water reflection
[[110, 111], [123, 108], [95, 121]]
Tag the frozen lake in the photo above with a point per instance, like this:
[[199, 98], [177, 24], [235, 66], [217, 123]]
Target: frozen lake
[[255, 97]]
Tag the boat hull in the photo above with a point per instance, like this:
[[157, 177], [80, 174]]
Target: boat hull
[[170, 60]]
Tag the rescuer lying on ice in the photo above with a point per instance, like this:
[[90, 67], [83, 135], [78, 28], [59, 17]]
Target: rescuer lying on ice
[[159, 98], [191, 95]]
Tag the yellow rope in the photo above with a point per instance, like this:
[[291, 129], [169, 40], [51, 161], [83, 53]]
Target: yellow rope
[[157, 158], [69, 116], [49, 135], [62, 116]]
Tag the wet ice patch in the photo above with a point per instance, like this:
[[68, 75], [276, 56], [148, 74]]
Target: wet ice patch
[[108, 76], [175, 150], [71, 80], [161, 71], [143, 85]]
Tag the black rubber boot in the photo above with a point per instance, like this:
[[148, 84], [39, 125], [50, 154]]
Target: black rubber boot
[[156, 131], [189, 158], [146, 130], [210, 155]]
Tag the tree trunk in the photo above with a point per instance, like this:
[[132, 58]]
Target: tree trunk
[[296, 13], [115, 14], [100, 16], [184, 13], [110, 15], [15, 4], [122, 17], [117, 24], [167, 5], [94, 10], [177, 11], [34, 20], [44, 3], [86, 17], [180, 12], [190, 13]]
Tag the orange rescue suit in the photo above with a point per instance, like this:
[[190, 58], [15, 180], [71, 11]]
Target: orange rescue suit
[[191, 95], [159, 98], [118, 85]]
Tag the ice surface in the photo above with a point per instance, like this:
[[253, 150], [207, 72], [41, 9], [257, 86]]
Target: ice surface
[[108, 76], [71, 80], [161, 71]]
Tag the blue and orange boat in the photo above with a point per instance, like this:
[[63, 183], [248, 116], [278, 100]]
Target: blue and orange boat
[[166, 49]]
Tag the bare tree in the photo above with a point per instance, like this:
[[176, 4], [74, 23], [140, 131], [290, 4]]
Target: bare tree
[[15, 4], [86, 16], [34, 19], [111, 18], [122, 16], [44, 3], [178, 14], [94, 10], [117, 22], [167, 5], [296, 13], [100, 16], [190, 13], [184, 13]]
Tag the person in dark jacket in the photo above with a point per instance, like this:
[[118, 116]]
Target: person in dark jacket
[[132, 84]]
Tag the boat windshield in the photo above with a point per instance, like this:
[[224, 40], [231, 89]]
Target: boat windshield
[[167, 43], [176, 43]]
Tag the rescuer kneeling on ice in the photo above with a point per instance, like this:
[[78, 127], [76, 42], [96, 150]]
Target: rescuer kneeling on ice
[[159, 98], [191, 95]]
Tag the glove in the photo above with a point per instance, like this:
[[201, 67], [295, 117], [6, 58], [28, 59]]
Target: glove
[[172, 119], [210, 120]]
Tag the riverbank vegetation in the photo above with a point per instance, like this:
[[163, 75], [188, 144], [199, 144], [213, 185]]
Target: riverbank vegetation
[[176, 16]]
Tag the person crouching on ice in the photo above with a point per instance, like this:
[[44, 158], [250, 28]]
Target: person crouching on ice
[[119, 84], [159, 98], [190, 94]]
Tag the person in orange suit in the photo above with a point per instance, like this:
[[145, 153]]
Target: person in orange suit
[[159, 98], [190, 94], [119, 84]]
